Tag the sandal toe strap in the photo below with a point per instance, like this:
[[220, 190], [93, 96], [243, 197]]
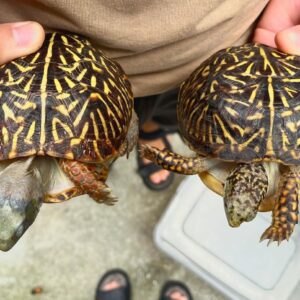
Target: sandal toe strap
[[116, 294]]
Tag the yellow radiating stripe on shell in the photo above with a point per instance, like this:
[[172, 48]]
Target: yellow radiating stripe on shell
[[65, 40], [256, 116], [9, 114], [79, 116], [286, 113], [285, 141], [239, 129], [233, 78], [224, 130], [231, 111], [96, 149], [291, 80], [66, 128], [1, 94], [237, 65], [96, 69], [266, 61], [84, 130], [69, 69], [22, 96], [106, 88], [63, 96], [43, 92], [72, 105], [57, 85], [13, 151], [93, 81], [96, 131], [30, 132], [212, 86], [62, 109], [63, 59], [23, 69], [26, 105], [92, 55], [233, 101], [291, 126], [284, 101], [75, 142], [17, 82], [28, 84], [270, 150], [74, 56], [248, 70], [5, 135], [8, 73], [35, 58], [260, 132], [81, 75], [103, 123], [69, 82]]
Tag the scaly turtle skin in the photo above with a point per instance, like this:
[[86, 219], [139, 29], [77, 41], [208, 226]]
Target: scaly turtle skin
[[240, 113], [70, 102]]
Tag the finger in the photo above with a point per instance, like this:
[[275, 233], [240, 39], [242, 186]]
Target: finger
[[278, 16], [18, 39], [288, 40]]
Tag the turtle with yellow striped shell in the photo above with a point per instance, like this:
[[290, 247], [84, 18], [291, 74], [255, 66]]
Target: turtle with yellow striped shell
[[66, 113], [239, 111]]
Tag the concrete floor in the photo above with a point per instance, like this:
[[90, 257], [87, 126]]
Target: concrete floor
[[71, 244]]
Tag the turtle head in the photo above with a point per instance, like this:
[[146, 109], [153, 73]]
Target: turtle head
[[21, 195], [245, 188]]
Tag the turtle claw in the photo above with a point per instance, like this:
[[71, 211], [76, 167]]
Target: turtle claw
[[149, 152], [275, 234], [104, 196]]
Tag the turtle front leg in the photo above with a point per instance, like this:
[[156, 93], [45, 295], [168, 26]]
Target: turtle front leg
[[89, 180], [285, 212], [175, 162], [245, 188]]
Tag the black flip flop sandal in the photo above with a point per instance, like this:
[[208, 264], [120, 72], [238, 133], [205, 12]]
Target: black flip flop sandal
[[121, 293], [174, 285], [146, 170]]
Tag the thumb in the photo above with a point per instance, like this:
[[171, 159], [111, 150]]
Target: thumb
[[18, 39], [288, 40]]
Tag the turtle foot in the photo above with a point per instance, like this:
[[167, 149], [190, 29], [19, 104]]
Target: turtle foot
[[103, 196], [149, 152], [276, 234]]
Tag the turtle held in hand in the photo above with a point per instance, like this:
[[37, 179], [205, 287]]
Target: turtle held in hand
[[66, 113], [240, 113]]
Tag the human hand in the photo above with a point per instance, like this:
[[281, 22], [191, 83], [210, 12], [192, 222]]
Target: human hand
[[18, 39], [279, 26]]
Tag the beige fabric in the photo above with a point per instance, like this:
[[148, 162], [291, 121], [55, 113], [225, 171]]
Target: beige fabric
[[158, 42]]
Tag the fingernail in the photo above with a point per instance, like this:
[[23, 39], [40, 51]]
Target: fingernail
[[23, 33]]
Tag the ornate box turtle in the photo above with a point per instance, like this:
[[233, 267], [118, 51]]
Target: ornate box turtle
[[67, 101], [240, 113]]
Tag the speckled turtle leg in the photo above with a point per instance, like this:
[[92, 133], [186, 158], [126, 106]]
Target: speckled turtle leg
[[89, 180], [132, 136], [245, 188], [285, 212], [64, 195], [175, 162]]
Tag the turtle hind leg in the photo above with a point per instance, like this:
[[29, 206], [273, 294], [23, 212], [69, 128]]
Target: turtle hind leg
[[88, 179], [175, 162], [285, 212]]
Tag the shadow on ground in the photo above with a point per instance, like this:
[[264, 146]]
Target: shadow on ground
[[71, 244]]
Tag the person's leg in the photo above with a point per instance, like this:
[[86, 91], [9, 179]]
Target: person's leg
[[157, 115], [175, 290], [114, 285]]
